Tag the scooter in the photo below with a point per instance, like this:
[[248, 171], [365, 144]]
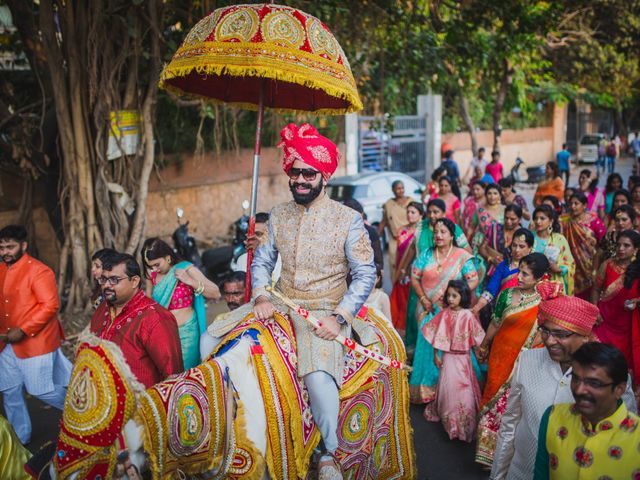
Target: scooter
[[534, 174], [215, 263]]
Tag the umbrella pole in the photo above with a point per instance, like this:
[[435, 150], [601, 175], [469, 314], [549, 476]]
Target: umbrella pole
[[254, 187]]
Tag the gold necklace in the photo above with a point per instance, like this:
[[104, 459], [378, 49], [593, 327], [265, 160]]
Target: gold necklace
[[525, 297], [439, 265]]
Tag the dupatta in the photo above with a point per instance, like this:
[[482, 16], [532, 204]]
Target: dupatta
[[518, 329], [493, 230], [434, 278], [583, 240], [163, 291]]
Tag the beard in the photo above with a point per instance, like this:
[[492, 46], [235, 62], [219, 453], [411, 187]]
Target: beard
[[305, 198], [110, 296], [11, 259]]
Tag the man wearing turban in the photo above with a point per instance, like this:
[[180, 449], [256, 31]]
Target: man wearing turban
[[542, 377], [320, 242]]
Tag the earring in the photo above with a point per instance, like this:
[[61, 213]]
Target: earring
[[633, 259], [169, 260], [550, 229]]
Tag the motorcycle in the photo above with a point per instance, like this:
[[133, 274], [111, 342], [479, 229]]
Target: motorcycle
[[215, 263], [534, 174]]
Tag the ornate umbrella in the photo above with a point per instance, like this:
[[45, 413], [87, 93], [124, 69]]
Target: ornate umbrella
[[263, 56]]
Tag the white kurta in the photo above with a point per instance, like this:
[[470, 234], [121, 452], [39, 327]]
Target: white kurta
[[538, 382]]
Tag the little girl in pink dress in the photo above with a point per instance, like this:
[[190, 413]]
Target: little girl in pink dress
[[453, 333]]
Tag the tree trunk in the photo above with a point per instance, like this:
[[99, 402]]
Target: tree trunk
[[501, 97], [137, 229], [76, 222], [468, 121]]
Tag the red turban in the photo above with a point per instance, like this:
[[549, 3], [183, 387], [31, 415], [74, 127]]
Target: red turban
[[571, 313], [304, 143]]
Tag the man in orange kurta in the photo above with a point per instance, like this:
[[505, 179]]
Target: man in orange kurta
[[30, 333]]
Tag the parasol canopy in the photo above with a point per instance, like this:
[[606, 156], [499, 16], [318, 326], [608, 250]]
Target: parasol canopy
[[233, 53]]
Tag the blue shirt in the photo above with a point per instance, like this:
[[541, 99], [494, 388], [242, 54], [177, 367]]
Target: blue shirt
[[487, 179], [563, 157], [452, 169]]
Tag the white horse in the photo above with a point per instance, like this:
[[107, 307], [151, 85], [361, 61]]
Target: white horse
[[372, 430]]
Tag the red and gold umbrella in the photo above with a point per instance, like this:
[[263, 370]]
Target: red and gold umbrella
[[263, 56]]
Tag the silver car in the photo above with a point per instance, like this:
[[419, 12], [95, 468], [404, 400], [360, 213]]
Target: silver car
[[372, 190], [588, 148]]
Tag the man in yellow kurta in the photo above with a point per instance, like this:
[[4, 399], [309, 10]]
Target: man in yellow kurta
[[320, 241], [596, 437]]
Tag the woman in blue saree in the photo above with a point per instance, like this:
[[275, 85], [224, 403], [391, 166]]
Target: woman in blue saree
[[181, 288], [430, 275]]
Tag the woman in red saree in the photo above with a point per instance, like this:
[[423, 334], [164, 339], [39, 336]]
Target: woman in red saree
[[399, 296], [512, 329], [474, 200], [445, 192], [584, 231], [617, 292]]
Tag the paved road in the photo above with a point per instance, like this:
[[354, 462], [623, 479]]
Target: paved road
[[438, 457]]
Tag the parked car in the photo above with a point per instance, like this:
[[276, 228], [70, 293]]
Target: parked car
[[372, 190], [588, 148]]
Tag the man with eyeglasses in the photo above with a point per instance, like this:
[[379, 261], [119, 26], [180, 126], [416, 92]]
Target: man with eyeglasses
[[146, 332], [595, 437], [320, 241], [542, 377], [30, 333]]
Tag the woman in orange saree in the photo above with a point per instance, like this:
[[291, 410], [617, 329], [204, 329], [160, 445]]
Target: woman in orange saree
[[512, 329], [553, 185], [584, 231]]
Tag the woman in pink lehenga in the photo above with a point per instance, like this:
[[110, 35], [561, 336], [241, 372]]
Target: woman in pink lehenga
[[453, 333]]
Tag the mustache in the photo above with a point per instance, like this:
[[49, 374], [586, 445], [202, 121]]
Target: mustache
[[587, 398], [305, 185]]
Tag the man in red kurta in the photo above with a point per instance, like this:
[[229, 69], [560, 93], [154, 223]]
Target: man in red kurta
[[146, 333], [30, 333]]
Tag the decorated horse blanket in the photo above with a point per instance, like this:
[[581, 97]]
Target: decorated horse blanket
[[375, 437], [193, 422]]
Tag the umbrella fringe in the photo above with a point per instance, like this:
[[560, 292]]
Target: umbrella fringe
[[265, 72]]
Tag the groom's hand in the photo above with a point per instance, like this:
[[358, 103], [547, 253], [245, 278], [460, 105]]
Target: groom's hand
[[263, 308], [329, 328]]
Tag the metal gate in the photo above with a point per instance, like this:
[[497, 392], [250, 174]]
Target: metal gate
[[392, 143]]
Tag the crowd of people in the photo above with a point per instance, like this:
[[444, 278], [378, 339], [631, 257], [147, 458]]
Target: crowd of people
[[522, 324], [500, 307]]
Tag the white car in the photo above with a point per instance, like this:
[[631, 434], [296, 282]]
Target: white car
[[372, 190], [588, 148]]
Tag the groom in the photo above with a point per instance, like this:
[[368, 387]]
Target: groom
[[320, 242]]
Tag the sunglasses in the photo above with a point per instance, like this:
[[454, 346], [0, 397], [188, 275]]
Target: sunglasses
[[309, 174]]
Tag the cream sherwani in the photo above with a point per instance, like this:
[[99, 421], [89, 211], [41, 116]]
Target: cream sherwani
[[319, 246], [538, 382]]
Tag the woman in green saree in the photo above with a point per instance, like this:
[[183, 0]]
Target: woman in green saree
[[423, 240], [180, 287]]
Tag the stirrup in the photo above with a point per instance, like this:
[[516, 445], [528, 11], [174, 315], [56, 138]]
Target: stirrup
[[329, 471]]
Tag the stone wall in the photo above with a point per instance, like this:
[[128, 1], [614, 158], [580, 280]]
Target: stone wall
[[47, 248], [534, 145], [211, 189]]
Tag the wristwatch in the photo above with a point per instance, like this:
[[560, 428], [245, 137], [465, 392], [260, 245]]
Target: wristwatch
[[340, 319]]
